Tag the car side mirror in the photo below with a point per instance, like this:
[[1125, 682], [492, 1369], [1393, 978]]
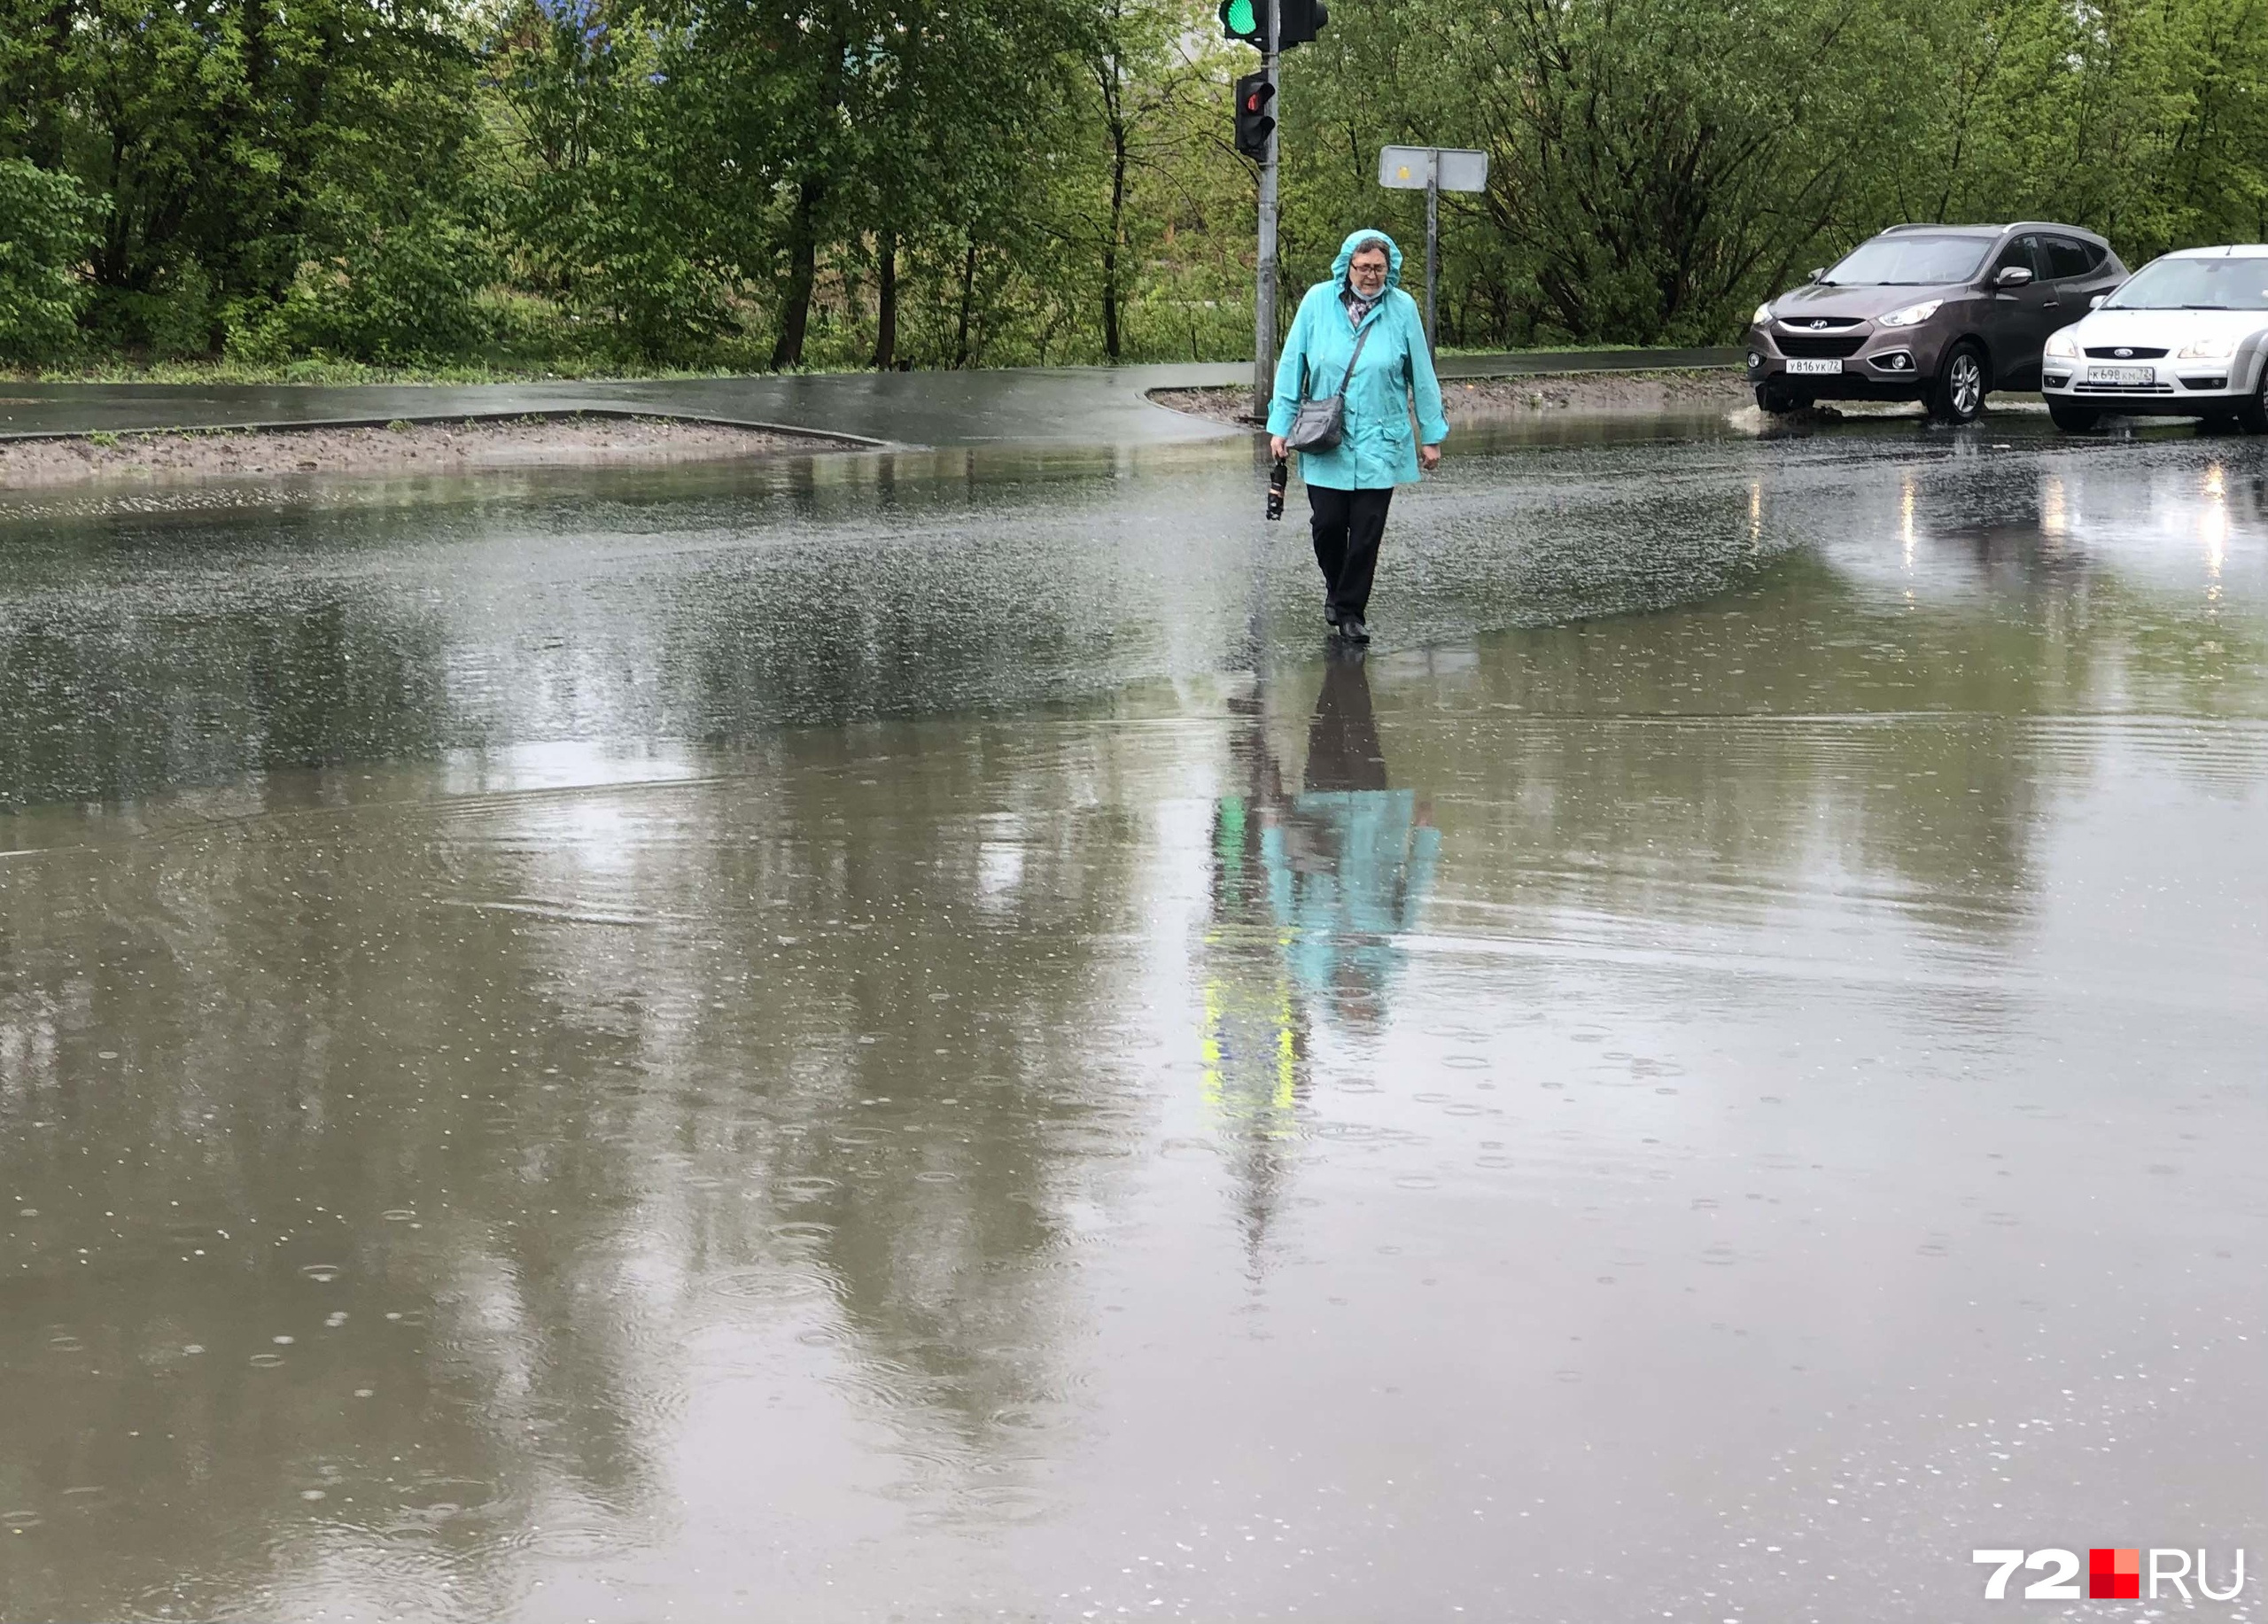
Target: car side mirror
[[2096, 302], [1817, 271], [2012, 277]]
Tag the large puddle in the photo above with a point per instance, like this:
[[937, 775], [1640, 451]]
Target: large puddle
[[890, 1040]]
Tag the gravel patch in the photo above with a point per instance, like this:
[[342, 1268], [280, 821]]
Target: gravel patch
[[456, 447], [1497, 397]]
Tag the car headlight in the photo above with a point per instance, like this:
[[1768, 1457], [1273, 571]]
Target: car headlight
[[1912, 315], [2063, 344], [1763, 314], [2207, 349]]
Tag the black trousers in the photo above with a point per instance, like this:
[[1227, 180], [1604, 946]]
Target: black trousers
[[1348, 526]]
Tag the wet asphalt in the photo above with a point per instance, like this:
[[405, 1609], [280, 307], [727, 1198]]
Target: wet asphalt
[[893, 1037]]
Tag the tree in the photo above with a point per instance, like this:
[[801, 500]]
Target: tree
[[205, 131], [44, 232]]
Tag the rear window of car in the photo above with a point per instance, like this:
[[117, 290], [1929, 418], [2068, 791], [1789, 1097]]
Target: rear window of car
[[2066, 257], [1910, 261], [2196, 284]]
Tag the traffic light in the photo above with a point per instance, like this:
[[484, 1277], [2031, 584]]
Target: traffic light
[[1245, 20], [1254, 122], [1301, 20]]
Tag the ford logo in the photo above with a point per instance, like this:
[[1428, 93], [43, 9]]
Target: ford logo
[[2121, 355]]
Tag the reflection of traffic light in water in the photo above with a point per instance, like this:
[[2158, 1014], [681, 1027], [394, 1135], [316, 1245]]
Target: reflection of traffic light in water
[[1253, 1042]]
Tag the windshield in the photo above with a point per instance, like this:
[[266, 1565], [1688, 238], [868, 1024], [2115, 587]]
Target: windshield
[[1910, 261], [2195, 284]]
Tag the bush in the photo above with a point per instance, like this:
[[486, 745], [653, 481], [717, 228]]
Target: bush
[[175, 320], [407, 293], [653, 303], [45, 230]]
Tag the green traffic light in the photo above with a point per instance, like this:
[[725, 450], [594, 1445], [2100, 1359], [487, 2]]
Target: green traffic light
[[1240, 19]]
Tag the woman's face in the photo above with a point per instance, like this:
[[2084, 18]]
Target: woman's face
[[1366, 272]]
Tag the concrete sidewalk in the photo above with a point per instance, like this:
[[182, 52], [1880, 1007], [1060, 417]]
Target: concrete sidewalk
[[1057, 406]]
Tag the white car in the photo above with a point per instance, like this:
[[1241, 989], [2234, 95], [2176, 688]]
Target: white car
[[2185, 337]]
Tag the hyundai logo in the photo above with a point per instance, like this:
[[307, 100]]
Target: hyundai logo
[[2122, 353], [1819, 326]]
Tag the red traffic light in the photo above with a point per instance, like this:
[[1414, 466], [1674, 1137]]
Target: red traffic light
[[1254, 123]]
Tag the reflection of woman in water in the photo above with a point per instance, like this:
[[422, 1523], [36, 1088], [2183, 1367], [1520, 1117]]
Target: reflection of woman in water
[[1352, 861], [1332, 875]]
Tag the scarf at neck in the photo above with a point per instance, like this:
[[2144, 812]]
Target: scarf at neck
[[1357, 306]]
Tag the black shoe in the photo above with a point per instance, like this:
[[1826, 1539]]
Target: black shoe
[[1351, 628], [1330, 613]]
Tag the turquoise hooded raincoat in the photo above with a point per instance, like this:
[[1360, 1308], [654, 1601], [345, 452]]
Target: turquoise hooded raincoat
[[1375, 450]]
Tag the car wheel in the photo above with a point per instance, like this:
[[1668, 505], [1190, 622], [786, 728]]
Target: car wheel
[[2073, 419], [2254, 417], [1957, 393], [1778, 402]]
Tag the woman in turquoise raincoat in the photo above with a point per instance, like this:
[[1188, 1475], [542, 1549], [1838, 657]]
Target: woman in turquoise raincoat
[[1349, 486]]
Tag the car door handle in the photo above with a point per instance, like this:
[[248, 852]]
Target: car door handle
[[2050, 304]]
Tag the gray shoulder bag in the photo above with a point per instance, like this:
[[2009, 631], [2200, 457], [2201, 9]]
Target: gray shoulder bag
[[1319, 422]]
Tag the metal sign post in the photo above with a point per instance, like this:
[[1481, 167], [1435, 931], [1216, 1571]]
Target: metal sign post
[[1433, 254], [1436, 169], [1263, 303]]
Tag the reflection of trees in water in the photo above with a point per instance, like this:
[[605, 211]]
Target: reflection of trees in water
[[1698, 760], [607, 1047], [2156, 593], [1757, 738], [146, 701], [938, 1051], [144, 650], [307, 1037], [139, 653]]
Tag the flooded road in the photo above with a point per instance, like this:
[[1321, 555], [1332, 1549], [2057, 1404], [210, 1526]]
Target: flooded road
[[887, 1039]]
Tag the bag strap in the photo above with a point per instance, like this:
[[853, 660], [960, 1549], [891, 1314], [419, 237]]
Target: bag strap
[[1361, 340]]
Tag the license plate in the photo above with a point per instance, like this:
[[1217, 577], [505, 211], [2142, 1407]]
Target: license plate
[[1807, 367], [2122, 375]]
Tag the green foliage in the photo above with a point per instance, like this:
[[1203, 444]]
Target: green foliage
[[400, 294], [225, 142], [1652, 161], [608, 209], [2143, 119], [1658, 165], [44, 235], [597, 184]]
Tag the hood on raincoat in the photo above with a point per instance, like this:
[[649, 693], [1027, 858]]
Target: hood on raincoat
[[1347, 257]]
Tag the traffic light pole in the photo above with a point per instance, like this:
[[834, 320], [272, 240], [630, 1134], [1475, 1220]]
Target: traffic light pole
[[1263, 303]]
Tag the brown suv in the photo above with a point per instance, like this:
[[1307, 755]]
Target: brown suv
[[1943, 314]]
